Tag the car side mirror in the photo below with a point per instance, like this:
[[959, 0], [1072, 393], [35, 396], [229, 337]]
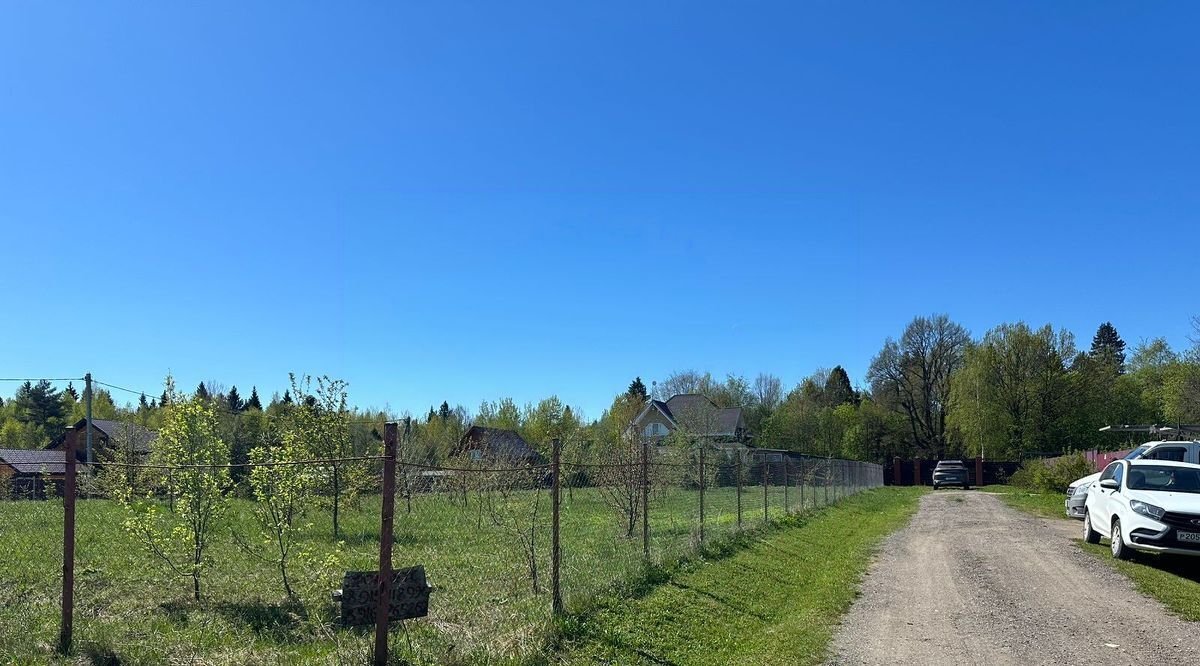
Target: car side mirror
[[1111, 484]]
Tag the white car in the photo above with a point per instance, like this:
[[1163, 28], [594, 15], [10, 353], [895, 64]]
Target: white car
[[1180, 451], [1146, 505]]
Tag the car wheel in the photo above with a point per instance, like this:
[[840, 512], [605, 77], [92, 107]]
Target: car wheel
[[1119, 549], [966, 486], [1089, 535], [935, 486]]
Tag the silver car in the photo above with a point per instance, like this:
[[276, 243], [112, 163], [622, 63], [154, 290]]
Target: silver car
[[1179, 451]]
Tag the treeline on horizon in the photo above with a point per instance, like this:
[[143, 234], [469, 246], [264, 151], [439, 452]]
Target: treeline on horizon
[[933, 392]]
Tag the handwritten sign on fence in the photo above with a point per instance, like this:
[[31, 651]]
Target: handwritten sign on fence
[[359, 593]]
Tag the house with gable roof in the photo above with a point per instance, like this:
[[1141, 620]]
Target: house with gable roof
[[694, 414]]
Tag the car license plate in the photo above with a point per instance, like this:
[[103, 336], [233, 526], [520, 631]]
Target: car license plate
[[1191, 537]]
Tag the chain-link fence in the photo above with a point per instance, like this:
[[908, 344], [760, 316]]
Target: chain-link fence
[[507, 539]]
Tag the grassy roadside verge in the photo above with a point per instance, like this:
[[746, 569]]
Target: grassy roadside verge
[[1173, 580], [1044, 504], [777, 601]]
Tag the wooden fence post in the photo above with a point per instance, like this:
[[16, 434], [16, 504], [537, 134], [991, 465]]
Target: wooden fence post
[[68, 588], [384, 586], [556, 601]]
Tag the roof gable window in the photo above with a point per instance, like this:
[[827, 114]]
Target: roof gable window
[[655, 429]]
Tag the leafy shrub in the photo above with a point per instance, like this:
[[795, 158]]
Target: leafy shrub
[[1053, 477]]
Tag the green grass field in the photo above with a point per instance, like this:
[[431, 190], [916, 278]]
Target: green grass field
[[1173, 580], [777, 600], [484, 608]]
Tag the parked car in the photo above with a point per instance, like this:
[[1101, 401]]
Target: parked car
[[1145, 505], [951, 473], [1180, 451]]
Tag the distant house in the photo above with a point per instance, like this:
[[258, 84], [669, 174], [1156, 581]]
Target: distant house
[[108, 438], [482, 443], [695, 415], [32, 473]]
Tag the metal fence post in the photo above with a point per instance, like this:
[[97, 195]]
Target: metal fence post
[[766, 470], [645, 498], [701, 494], [738, 472], [68, 588], [825, 473], [384, 586], [786, 507], [556, 601], [801, 484]]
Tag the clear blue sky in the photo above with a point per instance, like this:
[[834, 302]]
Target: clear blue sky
[[450, 201]]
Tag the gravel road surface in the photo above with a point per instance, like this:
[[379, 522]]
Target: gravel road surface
[[972, 581]]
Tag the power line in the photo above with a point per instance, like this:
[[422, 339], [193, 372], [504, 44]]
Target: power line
[[41, 379]]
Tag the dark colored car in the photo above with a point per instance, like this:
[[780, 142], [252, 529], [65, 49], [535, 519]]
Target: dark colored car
[[951, 473]]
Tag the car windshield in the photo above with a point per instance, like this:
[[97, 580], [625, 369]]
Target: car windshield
[[1136, 453], [950, 466], [1165, 479]]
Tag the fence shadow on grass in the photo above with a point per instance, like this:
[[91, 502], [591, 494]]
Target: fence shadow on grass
[[277, 620]]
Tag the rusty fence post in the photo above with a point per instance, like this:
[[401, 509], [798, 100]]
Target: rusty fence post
[[384, 585], [701, 494], [556, 601], [68, 589], [646, 498], [738, 471]]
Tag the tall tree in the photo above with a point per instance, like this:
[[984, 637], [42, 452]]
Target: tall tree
[[1014, 396], [234, 401], [913, 376], [838, 390], [1108, 347], [637, 390], [40, 406], [683, 381], [254, 402], [444, 411], [202, 391]]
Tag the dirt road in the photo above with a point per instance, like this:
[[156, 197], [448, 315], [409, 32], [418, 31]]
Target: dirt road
[[972, 581]]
